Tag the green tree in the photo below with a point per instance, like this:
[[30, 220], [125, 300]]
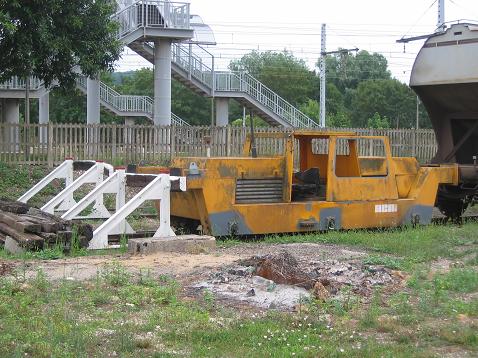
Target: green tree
[[188, 105], [280, 71], [51, 39], [192, 107], [6, 24], [138, 83], [311, 109], [378, 122], [389, 98], [346, 70], [334, 100], [48, 39], [340, 120], [67, 106]]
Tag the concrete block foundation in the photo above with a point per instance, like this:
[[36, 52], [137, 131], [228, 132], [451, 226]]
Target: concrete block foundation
[[189, 244]]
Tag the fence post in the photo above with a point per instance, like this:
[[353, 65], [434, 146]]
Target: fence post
[[172, 140], [50, 159], [414, 143], [228, 141]]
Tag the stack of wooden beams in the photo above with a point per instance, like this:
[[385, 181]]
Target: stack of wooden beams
[[33, 229]]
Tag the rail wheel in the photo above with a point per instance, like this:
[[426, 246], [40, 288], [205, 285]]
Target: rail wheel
[[453, 202]]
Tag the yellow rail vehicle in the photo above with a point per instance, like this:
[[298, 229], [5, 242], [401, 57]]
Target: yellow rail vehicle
[[335, 187]]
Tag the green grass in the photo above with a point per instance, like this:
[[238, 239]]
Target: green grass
[[386, 261], [15, 180], [411, 245], [146, 318], [463, 280]]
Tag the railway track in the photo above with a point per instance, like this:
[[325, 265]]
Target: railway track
[[465, 218]]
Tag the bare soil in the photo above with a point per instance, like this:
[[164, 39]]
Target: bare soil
[[232, 274], [184, 267]]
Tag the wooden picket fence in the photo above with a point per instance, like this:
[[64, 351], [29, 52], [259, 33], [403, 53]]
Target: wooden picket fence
[[50, 144]]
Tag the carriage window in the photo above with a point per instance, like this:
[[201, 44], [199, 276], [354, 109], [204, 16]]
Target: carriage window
[[371, 147], [320, 146], [361, 157]]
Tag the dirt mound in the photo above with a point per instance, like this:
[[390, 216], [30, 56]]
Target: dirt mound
[[280, 280], [283, 268]]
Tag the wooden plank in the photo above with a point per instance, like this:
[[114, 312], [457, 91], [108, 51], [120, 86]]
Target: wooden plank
[[13, 206], [47, 226], [19, 223], [24, 239]]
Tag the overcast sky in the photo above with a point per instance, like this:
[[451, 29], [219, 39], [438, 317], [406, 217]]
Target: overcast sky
[[374, 25]]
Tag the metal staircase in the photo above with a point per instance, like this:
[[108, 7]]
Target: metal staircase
[[194, 66], [126, 105], [112, 101], [15, 88]]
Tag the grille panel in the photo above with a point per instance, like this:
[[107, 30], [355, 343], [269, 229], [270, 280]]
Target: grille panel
[[250, 191]]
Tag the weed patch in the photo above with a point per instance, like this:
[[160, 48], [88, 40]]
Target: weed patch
[[458, 280]]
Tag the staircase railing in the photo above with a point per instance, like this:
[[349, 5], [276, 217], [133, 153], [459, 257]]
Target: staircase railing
[[195, 65], [128, 103], [153, 13], [17, 83], [159, 13], [186, 57], [178, 121], [244, 82]]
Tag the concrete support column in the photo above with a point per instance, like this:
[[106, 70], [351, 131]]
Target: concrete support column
[[162, 82], [222, 112], [92, 101], [44, 116], [11, 115], [92, 116]]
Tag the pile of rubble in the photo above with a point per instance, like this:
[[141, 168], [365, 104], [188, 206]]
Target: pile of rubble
[[279, 281], [23, 227]]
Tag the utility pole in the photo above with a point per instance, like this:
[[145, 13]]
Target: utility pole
[[323, 79], [323, 72], [441, 27], [441, 15]]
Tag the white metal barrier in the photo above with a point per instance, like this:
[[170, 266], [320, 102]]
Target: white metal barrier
[[94, 175], [158, 189], [64, 171], [114, 184]]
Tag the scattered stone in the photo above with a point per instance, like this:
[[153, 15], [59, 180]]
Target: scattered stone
[[340, 269], [12, 246], [6, 268], [261, 282], [281, 281], [320, 292], [240, 271]]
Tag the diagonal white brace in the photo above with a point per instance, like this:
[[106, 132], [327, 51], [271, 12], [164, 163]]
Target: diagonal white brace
[[94, 175], [64, 171], [158, 189], [114, 184]]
